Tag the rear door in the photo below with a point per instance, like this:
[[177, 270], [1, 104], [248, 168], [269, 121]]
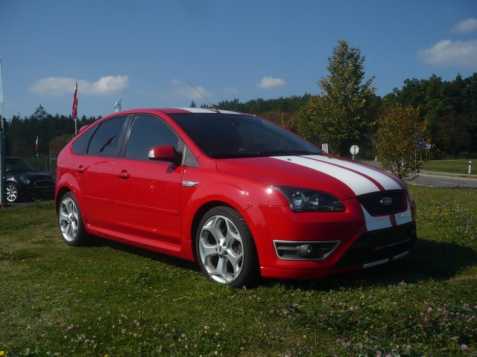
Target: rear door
[[152, 189], [101, 174]]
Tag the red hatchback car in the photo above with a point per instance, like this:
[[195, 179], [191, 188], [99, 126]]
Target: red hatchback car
[[239, 195]]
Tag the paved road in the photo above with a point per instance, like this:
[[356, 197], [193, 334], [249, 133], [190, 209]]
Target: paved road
[[425, 179]]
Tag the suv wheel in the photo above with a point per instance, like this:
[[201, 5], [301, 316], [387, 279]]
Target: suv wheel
[[225, 248], [11, 193], [70, 222]]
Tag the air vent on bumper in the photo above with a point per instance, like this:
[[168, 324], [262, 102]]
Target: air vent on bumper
[[313, 250]]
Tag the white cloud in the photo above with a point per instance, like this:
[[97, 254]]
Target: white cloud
[[465, 26], [451, 53], [269, 82], [62, 85], [190, 91]]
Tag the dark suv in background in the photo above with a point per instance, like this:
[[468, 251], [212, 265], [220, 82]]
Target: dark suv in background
[[23, 182]]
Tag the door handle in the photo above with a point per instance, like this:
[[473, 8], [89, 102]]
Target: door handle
[[124, 174], [81, 168]]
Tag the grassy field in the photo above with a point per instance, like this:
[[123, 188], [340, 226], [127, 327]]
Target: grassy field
[[107, 299], [458, 166]]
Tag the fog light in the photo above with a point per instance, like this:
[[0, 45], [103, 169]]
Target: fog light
[[314, 250], [304, 250]]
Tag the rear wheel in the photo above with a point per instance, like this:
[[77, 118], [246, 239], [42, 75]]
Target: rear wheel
[[70, 221], [225, 248]]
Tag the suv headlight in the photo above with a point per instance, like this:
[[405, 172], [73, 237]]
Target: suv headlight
[[305, 200], [24, 180]]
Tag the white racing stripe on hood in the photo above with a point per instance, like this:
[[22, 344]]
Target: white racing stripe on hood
[[387, 182], [360, 185]]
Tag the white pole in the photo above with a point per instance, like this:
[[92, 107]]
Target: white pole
[[2, 140], [469, 168], [76, 126]]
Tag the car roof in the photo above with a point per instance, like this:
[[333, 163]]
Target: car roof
[[177, 110]]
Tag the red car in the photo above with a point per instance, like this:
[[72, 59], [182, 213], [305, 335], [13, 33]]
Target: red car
[[239, 195]]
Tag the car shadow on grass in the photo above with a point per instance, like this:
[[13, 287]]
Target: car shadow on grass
[[430, 260], [163, 258]]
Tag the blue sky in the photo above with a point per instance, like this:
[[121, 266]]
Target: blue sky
[[168, 52]]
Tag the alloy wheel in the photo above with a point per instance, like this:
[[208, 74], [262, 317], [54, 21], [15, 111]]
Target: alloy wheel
[[221, 249], [11, 193], [69, 219]]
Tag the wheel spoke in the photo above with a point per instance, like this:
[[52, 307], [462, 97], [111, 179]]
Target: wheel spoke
[[207, 249], [221, 268], [232, 233], [234, 259]]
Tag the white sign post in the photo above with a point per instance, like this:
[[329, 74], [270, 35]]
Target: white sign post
[[324, 148], [354, 150]]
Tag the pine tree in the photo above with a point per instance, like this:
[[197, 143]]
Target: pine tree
[[344, 114]]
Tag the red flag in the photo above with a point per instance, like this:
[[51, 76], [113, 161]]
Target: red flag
[[74, 109]]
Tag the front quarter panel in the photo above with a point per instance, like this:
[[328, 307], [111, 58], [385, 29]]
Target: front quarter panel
[[214, 188]]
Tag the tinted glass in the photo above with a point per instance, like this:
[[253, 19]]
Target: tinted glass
[[146, 133], [16, 165], [80, 146], [105, 141], [232, 135]]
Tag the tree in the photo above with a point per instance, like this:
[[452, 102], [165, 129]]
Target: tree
[[192, 104], [344, 114], [399, 136]]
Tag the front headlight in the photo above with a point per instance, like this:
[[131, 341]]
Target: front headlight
[[303, 200], [24, 180]]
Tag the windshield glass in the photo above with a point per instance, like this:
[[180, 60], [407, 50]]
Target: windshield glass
[[16, 165], [232, 135]]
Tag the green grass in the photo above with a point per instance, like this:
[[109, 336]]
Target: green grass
[[458, 166], [110, 299]]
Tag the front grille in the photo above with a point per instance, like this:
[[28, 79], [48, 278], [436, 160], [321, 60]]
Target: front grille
[[378, 245], [384, 203]]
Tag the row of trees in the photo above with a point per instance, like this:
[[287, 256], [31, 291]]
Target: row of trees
[[423, 113]]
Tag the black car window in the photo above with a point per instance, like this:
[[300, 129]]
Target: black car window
[[147, 132], [105, 141], [80, 146], [16, 165], [232, 135]]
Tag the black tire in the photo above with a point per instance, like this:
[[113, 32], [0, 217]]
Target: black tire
[[80, 237], [12, 192], [249, 275]]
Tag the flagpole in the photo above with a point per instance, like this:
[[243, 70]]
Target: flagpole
[[2, 141], [74, 108]]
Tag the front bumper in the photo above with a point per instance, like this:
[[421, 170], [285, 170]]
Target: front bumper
[[362, 245], [367, 250]]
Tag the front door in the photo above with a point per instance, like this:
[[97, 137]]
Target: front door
[[151, 190]]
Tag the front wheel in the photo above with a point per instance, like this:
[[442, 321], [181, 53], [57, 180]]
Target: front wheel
[[12, 194], [225, 248]]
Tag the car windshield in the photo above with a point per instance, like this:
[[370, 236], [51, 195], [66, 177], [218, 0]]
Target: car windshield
[[233, 135], [16, 165]]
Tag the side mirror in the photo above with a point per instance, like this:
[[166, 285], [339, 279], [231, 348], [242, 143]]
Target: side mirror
[[164, 153]]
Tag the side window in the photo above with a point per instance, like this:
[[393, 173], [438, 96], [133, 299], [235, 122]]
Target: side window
[[105, 141], [80, 146], [147, 132]]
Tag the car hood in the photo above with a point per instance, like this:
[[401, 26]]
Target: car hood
[[342, 178]]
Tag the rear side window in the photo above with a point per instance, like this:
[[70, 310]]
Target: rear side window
[[80, 146], [105, 141], [147, 132]]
